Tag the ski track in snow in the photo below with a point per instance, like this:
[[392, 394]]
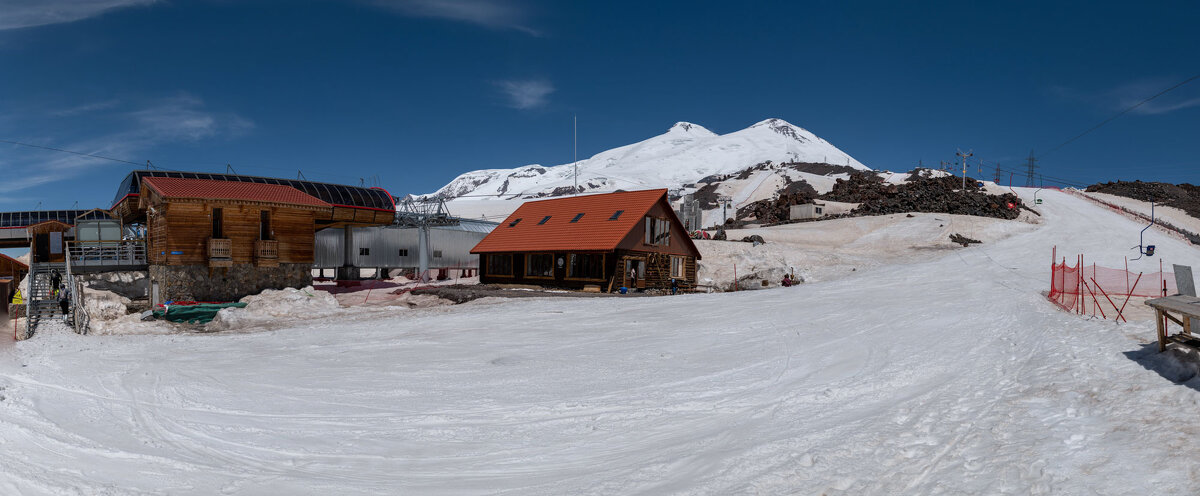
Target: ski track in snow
[[951, 375]]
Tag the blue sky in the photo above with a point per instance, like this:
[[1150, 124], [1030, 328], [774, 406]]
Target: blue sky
[[414, 92]]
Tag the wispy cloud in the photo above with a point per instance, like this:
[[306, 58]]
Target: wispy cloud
[[489, 13], [131, 131], [1129, 94], [16, 14], [526, 94], [87, 108]]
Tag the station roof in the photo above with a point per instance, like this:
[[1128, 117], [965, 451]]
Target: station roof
[[18, 220], [208, 189], [334, 194], [575, 223]]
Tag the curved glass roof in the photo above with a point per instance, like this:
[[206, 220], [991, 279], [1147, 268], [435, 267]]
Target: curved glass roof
[[11, 220], [337, 194]]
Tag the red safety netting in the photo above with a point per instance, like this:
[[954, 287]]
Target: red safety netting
[[1102, 291]]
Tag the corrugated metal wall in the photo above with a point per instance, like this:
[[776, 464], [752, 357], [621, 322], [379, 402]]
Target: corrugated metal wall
[[392, 247]]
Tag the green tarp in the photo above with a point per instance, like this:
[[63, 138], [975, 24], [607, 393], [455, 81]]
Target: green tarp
[[200, 313]]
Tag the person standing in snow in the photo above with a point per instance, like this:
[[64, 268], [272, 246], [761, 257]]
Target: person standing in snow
[[674, 286], [787, 280]]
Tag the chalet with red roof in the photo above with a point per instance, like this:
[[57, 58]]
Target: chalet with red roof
[[631, 239], [214, 240]]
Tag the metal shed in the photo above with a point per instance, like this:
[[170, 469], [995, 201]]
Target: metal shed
[[394, 247]]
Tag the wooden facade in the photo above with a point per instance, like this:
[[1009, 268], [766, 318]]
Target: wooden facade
[[11, 273], [49, 242], [656, 257], [220, 233]]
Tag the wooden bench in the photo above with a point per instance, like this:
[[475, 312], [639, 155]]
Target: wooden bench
[[1180, 309]]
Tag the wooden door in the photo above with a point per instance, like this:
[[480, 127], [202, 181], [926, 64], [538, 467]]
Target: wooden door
[[41, 247]]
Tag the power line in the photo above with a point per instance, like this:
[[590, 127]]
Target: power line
[[69, 151], [1123, 112]]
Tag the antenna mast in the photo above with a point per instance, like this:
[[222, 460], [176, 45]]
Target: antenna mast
[[575, 156]]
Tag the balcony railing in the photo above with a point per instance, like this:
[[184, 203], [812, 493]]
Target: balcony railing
[[266, 253], [220, 252], [99, 255]]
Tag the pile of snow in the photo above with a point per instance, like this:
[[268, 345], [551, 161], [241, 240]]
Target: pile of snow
[[272, 304], [108, 314]]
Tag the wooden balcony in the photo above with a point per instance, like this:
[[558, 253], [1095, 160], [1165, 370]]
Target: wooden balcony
[[220, 252], [266, 253]]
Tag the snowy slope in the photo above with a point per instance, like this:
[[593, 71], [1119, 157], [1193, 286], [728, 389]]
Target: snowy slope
[[948, 374], [684, 154]]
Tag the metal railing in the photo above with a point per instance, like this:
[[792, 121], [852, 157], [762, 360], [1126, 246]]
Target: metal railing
[[99, 254]]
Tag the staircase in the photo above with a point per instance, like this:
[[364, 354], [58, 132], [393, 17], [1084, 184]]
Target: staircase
[[41, 302]]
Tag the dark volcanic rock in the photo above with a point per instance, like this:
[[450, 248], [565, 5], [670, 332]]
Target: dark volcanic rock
[[963, 240], [1184, 196], [923, 194]]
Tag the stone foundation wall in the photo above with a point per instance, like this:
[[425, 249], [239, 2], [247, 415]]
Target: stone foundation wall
[[132, 284], [194, 282]]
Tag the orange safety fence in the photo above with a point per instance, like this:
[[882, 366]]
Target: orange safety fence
[[1089, 289]]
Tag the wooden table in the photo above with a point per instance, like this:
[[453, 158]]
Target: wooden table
[[1186, 308]]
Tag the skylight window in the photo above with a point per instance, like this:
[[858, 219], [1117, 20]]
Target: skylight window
[[616, 215], [577, 217], [514, 223], [544, 219]]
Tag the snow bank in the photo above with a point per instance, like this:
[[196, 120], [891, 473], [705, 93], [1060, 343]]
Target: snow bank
[[288, 303], [108, 314]]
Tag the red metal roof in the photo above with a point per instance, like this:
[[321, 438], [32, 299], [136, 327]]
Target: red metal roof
[[209, 189], [15, 261], [592, 232]]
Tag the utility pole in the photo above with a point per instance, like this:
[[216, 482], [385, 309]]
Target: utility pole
[[997, 172], [1030, 168], [943, 164], [963, 158]]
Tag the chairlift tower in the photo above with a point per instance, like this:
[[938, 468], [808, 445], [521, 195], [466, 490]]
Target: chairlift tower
[[421, 213], [963, 157]]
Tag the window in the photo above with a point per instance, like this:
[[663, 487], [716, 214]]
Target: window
[[544, 219], [217, 223], [404, 252], [577, 217], [437, 253], [616, 215], [499, 265], [514, 223], [818, 210], [364, 252], [658, 231], [539, 265], [264, 225], [586, 266], [677, 267]]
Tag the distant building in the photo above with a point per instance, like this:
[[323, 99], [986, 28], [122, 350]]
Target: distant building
[[632, 239], [806, 211], [399, 247]]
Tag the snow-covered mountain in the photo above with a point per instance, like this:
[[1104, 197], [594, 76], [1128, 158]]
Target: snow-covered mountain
[[685, 154]]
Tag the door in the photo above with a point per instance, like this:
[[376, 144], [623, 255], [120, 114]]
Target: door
[[632, 280], [560, 266], [41, 248]]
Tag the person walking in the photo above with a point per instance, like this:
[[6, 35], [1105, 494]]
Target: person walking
[[55, 282], [64, 301]]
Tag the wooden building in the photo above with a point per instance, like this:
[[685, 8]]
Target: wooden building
[[49, 241], [11, 273], [631, 239], [209, 240]]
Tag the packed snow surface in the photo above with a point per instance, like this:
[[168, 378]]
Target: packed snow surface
[[943, 374]]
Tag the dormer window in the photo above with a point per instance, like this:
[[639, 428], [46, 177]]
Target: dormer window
[[577, 217], [544, 219], [616, 215], [514, 223]]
